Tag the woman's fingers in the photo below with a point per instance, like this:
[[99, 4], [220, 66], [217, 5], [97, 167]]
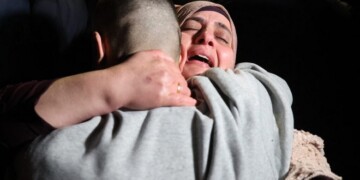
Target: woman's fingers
[[156, 81]]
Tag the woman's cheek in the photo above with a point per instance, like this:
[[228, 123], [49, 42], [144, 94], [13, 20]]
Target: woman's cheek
[[227, 59]]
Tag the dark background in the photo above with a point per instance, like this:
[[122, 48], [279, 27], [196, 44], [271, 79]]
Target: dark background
[[313, 45]]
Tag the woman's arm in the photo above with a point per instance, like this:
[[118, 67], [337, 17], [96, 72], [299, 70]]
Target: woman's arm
[[146, 80]]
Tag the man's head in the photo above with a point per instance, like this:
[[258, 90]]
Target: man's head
[[128, 26], [208, 37]]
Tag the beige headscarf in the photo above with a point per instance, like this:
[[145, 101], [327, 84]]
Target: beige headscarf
[[188, 9]]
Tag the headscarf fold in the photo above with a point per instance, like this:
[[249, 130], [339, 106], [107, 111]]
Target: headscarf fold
[[188, 9]]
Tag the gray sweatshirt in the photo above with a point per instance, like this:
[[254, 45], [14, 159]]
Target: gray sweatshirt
[[242, 128]]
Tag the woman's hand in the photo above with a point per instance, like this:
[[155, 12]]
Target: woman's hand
[[149, 79]]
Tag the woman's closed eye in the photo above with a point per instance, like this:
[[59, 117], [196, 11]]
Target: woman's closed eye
[[223, 36], [191, 26]]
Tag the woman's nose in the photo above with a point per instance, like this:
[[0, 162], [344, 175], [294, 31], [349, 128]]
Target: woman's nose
[[205, 37]]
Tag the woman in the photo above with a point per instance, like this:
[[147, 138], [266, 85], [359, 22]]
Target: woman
[[224, 137], [208, 40]]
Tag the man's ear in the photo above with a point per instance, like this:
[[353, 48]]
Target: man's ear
[[99, 45], [182, 57], [179, 60]]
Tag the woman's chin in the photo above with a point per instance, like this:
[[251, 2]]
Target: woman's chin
[[190, 71]]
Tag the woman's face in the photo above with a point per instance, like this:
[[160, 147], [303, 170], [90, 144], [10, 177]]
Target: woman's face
[[206, 41]]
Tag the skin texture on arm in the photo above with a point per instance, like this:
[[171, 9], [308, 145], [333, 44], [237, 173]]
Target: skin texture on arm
[[146, 80]]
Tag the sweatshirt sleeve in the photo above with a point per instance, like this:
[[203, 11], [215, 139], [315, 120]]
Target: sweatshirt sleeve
[[19, 123]]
